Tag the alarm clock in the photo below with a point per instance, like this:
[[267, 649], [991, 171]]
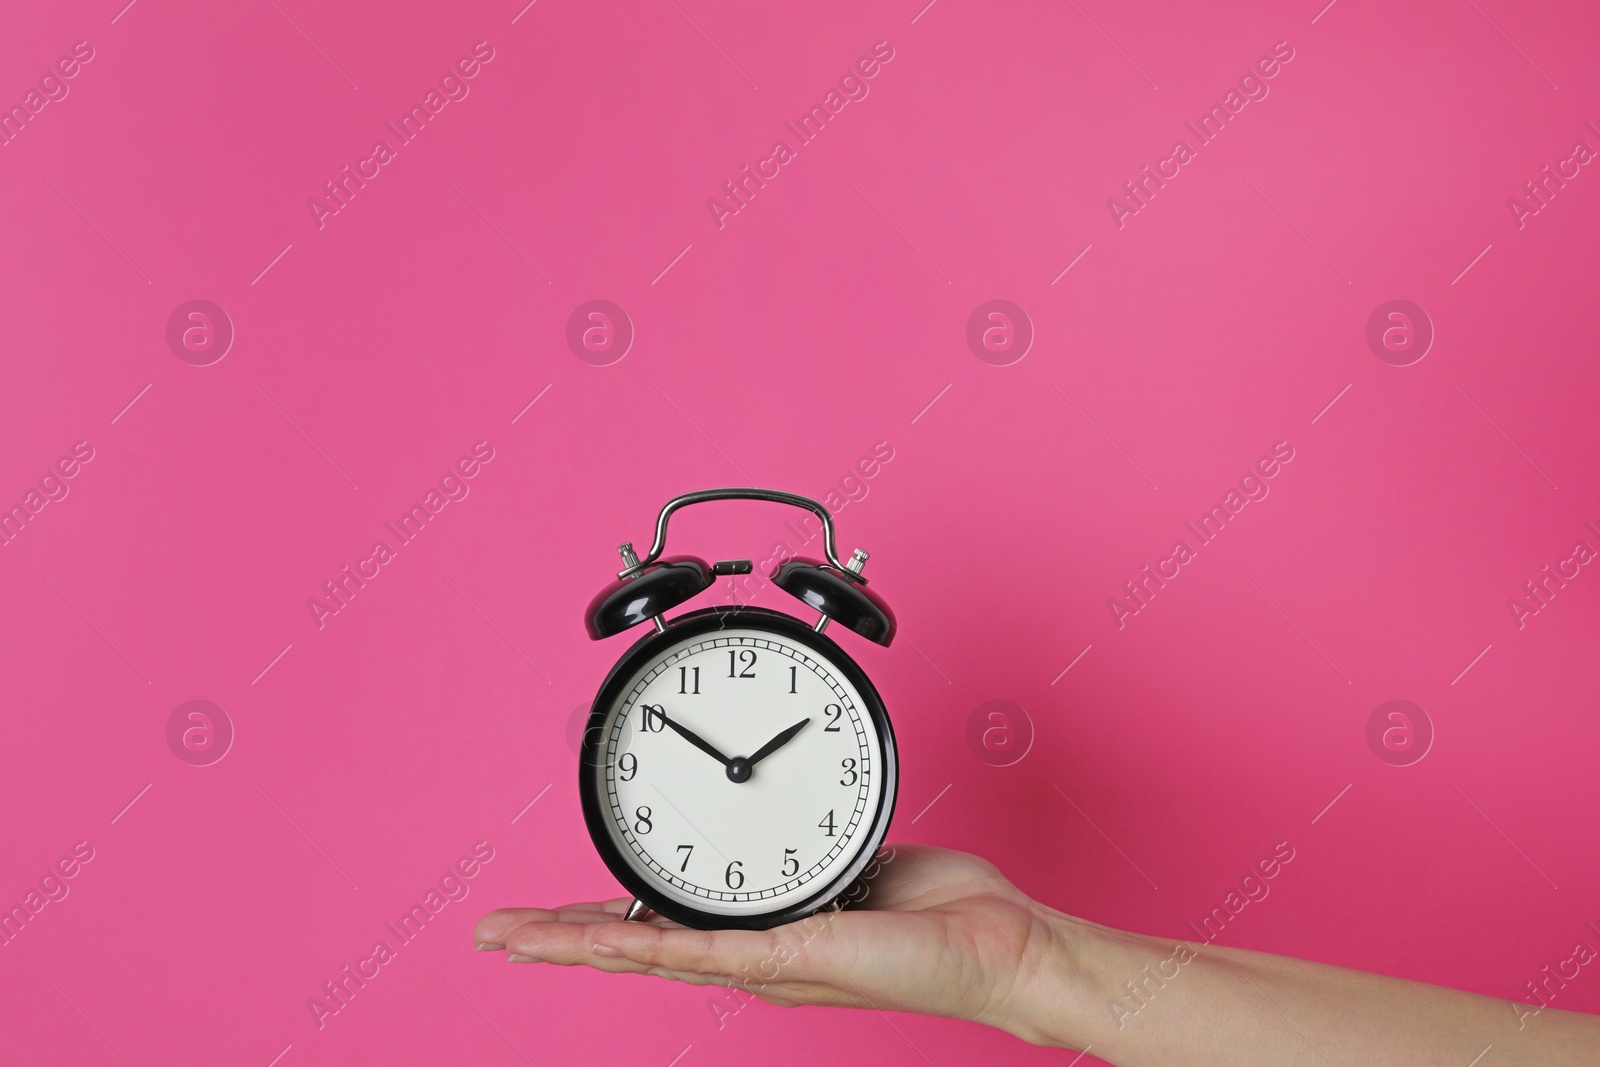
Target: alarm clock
[[738, 769]]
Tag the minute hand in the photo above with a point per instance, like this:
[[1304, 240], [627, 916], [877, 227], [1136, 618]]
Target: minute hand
[[694, 739], [776, 743]]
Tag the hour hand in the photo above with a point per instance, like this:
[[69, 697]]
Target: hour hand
[[689, 735], [776, 743]]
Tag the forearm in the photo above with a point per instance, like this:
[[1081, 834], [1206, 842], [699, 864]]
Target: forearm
[[1146, 1002]]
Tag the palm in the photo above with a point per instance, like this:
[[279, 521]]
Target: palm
[[938, 932]]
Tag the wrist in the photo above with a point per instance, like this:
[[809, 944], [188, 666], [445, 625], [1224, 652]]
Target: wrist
[[1076, 993]]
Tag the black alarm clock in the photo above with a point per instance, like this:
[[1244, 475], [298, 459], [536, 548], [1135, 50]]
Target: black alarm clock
[[738, 769]]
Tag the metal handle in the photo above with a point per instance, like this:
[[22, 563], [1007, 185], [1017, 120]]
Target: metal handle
[[774, 496]]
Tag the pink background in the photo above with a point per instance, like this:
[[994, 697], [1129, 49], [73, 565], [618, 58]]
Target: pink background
[[823, 318]]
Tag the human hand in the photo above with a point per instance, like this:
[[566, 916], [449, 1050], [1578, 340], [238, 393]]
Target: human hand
[[938, 932], [944, 933]]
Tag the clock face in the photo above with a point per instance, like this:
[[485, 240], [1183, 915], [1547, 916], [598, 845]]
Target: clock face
[[739, 772]]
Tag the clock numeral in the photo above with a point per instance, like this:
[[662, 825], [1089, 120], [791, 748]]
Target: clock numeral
[[733, 875], [655, 718], [688, 852], [628, 764], [827, 824], [643, 825], [685, 676], [746, 665], [791, 866], [792, 671], [850, 775], [833, 711]]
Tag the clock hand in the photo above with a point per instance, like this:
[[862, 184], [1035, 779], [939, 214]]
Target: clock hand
[[693, 738], [776, 743]]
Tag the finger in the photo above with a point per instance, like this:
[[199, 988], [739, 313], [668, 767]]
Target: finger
[[741, 955], [493, 927], [773, 965], [614, 906], [596, 944], [606, 910], [564, 943], [554, 954]]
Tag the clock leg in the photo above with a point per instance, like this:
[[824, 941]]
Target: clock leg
[[637, 911]]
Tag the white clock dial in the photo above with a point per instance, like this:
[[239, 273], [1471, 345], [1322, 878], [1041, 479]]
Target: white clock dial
[[728, 839]]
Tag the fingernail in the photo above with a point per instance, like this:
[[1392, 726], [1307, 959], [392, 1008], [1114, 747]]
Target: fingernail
[[603, 950], [488, 946], [515, 958]]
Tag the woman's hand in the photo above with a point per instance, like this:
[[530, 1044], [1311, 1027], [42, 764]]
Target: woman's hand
[[937, 932], [944, 933]]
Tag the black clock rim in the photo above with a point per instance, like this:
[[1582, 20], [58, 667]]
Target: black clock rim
[[693, 624]]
